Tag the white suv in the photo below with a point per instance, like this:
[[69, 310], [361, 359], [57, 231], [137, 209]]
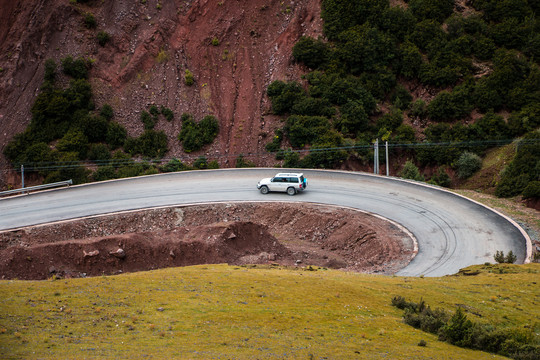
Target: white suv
[[291, 183]]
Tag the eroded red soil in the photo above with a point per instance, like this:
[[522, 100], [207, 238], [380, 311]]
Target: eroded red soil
[[241, 233]]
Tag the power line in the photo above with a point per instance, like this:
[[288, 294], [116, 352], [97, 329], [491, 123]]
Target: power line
[[57, 165]]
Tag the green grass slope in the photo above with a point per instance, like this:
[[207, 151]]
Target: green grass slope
[[230, 312]]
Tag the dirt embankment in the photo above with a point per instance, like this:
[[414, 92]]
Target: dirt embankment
[[241, 233]]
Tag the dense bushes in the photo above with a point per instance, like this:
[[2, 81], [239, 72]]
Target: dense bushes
[[76, 68], [460, 331], [194, 136], [151, 143], [524, 168], [410, 171], [313, 53], [482, 62], [304, 130], [66, 130], [467, 164]]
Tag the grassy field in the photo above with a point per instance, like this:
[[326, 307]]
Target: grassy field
[[231, 312]]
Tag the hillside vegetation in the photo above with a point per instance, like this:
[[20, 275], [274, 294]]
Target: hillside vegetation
[[479, 66], [221, 311]]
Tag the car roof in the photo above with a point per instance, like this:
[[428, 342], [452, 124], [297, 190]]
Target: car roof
[[290, 174]]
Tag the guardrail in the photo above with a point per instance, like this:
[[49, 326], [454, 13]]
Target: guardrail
[[37, 187]]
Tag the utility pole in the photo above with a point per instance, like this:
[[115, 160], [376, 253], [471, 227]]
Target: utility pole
[[376, 157], [22, 175], [387, 165]]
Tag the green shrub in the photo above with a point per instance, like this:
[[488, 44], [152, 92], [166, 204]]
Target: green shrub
[[525, 120], [194, 136], [241, 162], [77, 69], [103, 38], [50, 71], [103, 173], [428, 34], [71, 169], [457, 330], [437, 10], [326, 152], [209, 128], [312, 53], [510, 258], [467, 164], [304, 130], [532, 190], [189, 135], [499, 257], [390, 121], [188, 78], [396, 21], [404, 134], [116, 135], [284, 96], [120, 158], [522, 169], [291, 159], [276, 141], [136, 169], [410, 60], [153, 144], [420, 316], [401, 98], [99, 153], [365, 48], [213, 165], [448, 106], [175, 165], [418, 108], [15, 149], [90, 20], [75, 142], [148, 121], [410, 171], [441, 178], [95, 128], [491, 127], [107, 111], [154, 110], [313, 107], [201, 163], [168, 113], [353, 118], [341, 15]]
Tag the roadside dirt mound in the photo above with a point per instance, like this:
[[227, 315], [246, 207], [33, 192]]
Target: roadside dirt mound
[[242, 233]]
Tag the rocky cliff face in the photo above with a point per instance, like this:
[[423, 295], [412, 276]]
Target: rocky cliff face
[[234, 48]]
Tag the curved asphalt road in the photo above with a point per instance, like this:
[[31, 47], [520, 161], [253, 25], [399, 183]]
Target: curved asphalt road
[[452, 232]]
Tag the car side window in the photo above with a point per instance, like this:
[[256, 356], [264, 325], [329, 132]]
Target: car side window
[[293, 179]]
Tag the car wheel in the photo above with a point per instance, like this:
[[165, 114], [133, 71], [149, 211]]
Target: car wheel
[[264, 190], [291, 191]]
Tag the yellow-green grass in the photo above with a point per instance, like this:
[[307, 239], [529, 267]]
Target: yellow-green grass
[[220, 311]]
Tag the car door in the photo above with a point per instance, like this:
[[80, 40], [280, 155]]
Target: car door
[[279, 184]]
